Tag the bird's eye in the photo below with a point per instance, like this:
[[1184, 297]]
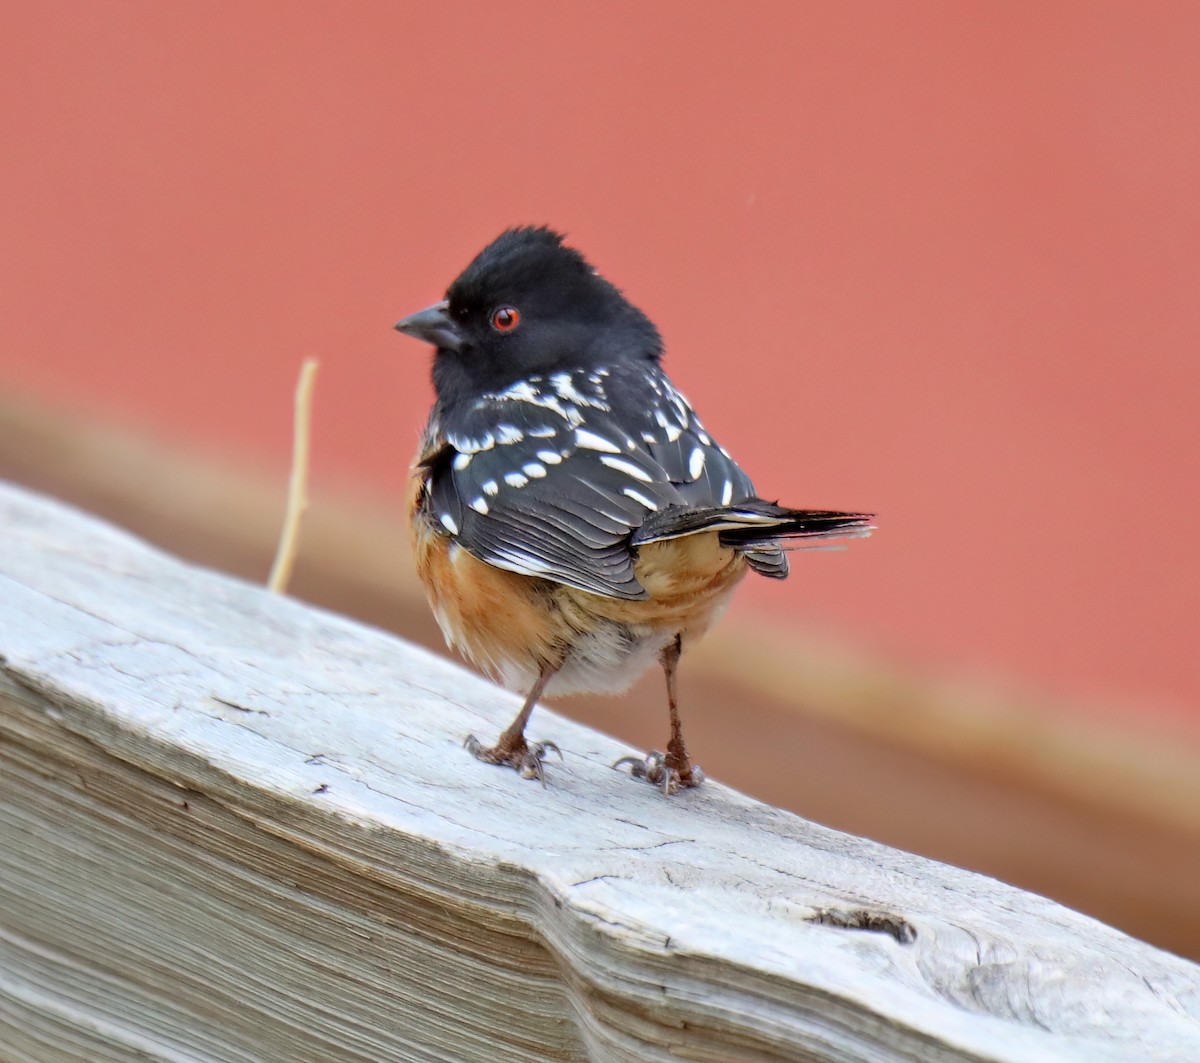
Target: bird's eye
[[506, 318]]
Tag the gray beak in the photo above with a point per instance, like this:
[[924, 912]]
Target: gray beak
[[433, 325]]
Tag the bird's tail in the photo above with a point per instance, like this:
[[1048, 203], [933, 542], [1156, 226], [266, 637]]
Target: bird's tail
[[755, 523], [757, 529]]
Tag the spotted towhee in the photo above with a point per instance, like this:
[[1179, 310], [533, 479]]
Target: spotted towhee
[[573, 521]]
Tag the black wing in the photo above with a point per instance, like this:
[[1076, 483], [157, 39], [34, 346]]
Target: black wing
[[554, 476]]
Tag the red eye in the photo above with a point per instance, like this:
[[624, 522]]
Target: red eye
[[506, 318]]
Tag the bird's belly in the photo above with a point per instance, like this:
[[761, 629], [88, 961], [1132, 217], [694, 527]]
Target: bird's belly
[[512, 625], [607, 659]]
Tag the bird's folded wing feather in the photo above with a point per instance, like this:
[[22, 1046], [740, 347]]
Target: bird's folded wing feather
[[533, 483]]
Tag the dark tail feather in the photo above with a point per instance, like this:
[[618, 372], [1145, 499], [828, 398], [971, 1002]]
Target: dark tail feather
[[755, 528], [754, 525], [766, 554], [768, 561], [803, 524]]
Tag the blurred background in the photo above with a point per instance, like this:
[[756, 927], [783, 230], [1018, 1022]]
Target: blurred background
[[938, 261]]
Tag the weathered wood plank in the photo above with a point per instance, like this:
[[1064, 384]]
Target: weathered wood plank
[[235, 828], [1018, 785]]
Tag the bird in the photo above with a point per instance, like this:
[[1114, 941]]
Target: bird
[[573, 521]]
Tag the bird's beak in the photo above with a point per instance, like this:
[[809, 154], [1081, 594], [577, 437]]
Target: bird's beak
[[433, 325]]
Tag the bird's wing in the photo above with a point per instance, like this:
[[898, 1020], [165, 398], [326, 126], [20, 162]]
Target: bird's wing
[[666, 427], [553, 477]]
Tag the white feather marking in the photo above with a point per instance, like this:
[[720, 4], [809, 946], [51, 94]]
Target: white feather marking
[[470, 445], [480, 505], [507, 433], [528, 391], [627, 467], [673, 432], [533, 470], [696, 463], [521, 562], [727, 493], [448, 523], [682, 407], [637, 496], [545, 431], [591, 441], [461, 461], [490, 487], [550, 457], [515, 479], [521, 391], [568, 392], [748, 516]]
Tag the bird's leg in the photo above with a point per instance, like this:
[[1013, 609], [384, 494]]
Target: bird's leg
[[511, 747], [675, 769], [677, 757]]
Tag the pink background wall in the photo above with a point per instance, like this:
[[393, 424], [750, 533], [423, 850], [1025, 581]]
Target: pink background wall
[[932, 259]]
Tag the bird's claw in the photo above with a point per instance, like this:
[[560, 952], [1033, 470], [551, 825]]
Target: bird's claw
[[656, 770], [524, 757]]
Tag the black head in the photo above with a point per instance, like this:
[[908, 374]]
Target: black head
[[528, 304]]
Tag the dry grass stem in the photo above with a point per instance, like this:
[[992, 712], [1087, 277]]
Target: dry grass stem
[[297, 502]]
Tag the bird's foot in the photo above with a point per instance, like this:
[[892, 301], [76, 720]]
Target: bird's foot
[[524, 757], [664, 770]]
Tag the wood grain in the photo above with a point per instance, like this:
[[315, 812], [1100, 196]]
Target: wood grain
[[236, 827], [1069, 801]]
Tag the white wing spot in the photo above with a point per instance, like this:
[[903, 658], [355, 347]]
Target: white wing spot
[[507, 433], [490, 487], [515, 479], [533, 470], [682, 408], [448, 523], [480, 505], [521, 391], [527, 391], [673, 432], [469, 445], [591, 441], [543, 432], [705, 438], [568, 392], [521, 562], [727, 493], [649, 437], [637, 496], [627, 467], [696, 463], [461, 461], [550, 457]]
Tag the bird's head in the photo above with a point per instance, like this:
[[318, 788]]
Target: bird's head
[[528, 304]]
